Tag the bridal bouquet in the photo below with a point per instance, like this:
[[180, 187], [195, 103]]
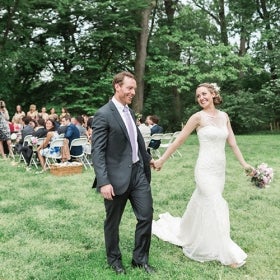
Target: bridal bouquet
[[262, 175]]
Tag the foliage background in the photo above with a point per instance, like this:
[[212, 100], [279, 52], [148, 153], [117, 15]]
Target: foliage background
[[64, 53]]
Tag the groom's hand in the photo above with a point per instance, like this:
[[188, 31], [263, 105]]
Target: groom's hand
[[107, 192], [152, 163]]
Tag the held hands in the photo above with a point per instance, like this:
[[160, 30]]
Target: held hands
[[158, 164]]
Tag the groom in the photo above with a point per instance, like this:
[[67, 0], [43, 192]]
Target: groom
[[122, 169]]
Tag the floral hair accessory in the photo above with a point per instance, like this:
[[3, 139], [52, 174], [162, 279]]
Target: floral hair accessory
[[262, 175], [216, 87]]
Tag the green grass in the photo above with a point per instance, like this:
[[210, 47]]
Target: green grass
[[52, 227]]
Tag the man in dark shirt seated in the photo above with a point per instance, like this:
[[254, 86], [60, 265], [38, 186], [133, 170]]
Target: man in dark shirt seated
[[40, 130], [22, 147], [152, 121], [71, 133]]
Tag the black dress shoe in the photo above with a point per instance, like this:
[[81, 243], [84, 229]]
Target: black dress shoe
[[118, 268], [146, 267]]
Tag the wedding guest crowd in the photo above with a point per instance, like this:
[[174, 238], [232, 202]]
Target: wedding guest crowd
[[34, 123]]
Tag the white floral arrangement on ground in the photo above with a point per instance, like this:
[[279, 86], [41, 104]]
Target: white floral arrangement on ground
[[67, 163], [262, 175]]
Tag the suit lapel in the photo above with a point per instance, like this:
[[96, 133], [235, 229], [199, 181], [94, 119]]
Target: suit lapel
[[118, 118]]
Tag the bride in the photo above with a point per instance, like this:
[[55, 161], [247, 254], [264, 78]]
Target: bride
[[204, 230]]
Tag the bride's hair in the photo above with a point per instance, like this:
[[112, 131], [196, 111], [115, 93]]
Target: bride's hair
[[214, 88]]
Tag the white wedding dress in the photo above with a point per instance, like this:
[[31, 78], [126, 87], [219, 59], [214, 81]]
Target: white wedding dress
[[204, 230]]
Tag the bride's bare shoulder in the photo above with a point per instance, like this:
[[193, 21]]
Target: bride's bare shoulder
[[196, 117]]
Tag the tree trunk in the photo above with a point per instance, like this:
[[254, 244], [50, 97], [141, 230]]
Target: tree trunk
[[174, 54], [223, 23], [8, 28], [141, 55], [265, 16]]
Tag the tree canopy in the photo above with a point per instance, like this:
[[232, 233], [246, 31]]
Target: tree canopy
[[64, 53]]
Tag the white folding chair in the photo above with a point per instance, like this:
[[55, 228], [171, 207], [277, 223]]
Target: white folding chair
[[156, 152], [34, 155], [82, 141], [147, 139], [166, 140], [58, 142], [27, 140], [40, 141], [175, 135], [87, 156]]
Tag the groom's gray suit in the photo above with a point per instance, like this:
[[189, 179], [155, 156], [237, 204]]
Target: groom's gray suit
[[112, 159]]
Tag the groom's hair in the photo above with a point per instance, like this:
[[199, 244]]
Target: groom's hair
[[118, 78]]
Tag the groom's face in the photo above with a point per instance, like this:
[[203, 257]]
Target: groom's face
[[125, 92]]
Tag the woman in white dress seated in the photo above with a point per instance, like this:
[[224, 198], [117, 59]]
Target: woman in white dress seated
[[44, 149], [204, 230]]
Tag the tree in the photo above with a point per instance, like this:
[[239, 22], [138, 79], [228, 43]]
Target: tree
[[141, 55], [216, 10]]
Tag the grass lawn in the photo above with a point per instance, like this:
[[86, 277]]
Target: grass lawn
[[52, 227]]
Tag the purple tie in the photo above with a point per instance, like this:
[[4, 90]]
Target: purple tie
[[130, 129]]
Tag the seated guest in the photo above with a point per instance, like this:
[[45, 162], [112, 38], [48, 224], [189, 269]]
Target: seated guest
[[33, 113], [152, 121], [143, 127], [64, 112], [26, 130], [33, 123], [19, 114], [43, 114], [24, 147], [89, 127], [62, 128], [53, 114], [40, 130], [79, 125], [71, 133], [44, 149]]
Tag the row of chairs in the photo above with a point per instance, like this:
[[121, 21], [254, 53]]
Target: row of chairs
[[166, 139], [83, 157], [60, 142]]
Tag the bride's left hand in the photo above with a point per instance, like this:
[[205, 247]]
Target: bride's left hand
[[249, 170]]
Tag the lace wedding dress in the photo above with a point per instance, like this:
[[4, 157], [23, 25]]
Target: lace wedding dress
[[204, 230]]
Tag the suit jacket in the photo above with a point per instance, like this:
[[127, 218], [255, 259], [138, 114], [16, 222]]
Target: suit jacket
[[40, 132], [156, 129], [27, 130], [112, 151]]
